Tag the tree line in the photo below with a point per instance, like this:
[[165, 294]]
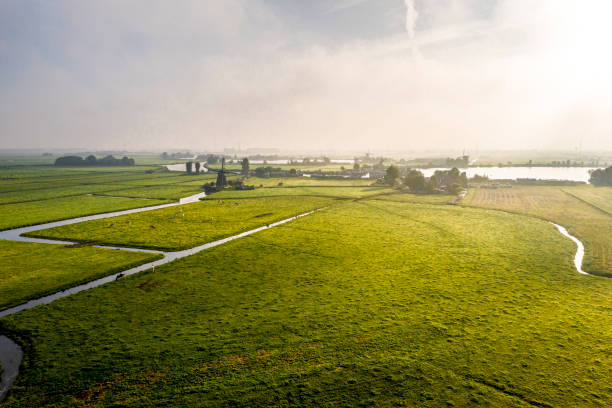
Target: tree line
[[91, 160]]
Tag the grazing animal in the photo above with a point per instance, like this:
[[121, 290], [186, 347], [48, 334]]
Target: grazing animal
[[119, 276], [153, 226], [111, 225]]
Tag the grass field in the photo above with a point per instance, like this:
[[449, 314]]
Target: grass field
[[371, 303], [305, 181], [591, 225], [32, 195], [162, 192], [379, 299], [188, 226], [37, 212], [29, 270], [318, 191], [600, 197]]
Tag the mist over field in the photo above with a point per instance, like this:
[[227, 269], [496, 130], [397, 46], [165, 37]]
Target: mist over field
[[350, 74]]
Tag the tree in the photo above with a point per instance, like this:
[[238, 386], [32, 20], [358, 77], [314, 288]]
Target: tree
[[245, 166], [326, 160], [188, 167], [212, 159], [356, 166], [197, 167], [601, 177], [455, 188], [125, 161], [391, 175], [415, 180], [90, 160], [69, 161]]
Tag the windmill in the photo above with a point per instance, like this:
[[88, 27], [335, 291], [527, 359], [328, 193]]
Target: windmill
[[221, 179]]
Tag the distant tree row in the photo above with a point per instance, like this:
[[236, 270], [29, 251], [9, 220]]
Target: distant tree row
[[209, 158], [91, 160], [601, 177], [175, 155], [462, 161]]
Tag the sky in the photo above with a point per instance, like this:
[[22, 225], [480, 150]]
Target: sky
[[313, 75]]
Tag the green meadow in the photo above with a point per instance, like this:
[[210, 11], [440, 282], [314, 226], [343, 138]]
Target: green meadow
[[312, 191], [306, 181], [379, 298], [34, 195], [187, 226], [161, 192], [583, 210], [29, 270], [37, 212], [599, 197], [371, 303]]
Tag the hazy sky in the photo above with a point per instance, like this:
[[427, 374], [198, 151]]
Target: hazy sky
[[295, 74]]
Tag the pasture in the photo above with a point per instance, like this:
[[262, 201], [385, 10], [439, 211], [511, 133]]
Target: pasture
[[29, 270], [583, 218], [34, 195], [177, 228], [341, 192], [306, 181], [372, 303], [380, 298], [600, 197]]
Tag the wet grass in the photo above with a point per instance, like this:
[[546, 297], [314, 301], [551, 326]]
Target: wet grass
[[29, 270], [579, 213], [371, 303], [187, 226]]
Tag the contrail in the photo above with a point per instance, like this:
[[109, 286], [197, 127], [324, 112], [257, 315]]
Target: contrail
[[411, 18]]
